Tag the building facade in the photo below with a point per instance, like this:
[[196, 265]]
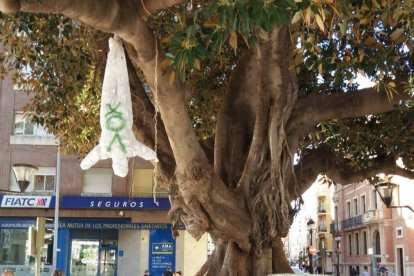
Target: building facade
[[323, 235], [369, 236], [107, 225]]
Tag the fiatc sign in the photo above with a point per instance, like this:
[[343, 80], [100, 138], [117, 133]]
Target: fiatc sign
[[17, 201]]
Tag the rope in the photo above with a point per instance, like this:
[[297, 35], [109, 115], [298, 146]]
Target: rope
[[145, 8], [154, 187]]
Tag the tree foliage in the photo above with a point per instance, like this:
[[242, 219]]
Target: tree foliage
[[59, 62], [336, 42]]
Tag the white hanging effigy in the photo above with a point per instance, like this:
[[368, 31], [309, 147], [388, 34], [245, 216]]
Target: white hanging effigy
[[117, 138]]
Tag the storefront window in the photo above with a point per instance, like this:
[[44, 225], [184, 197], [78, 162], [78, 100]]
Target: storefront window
[[84, 257], [91, 257], [15, 255], [13, 247]]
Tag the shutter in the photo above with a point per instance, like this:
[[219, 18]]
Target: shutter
[[97, 181]]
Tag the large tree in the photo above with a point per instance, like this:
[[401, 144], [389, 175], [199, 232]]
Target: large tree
[[248, 101]]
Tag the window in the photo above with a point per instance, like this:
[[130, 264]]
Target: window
[[44, 183], [365, 243], [377, 243], [363, 207], [22, 126], [374, 202], [13, 246], [143, 184], [348, 209], [357, 243], [399, 232], [350, 245], [336, 218], [97, 181], [355, 206]]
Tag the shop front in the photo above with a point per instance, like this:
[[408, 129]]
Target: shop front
[[113, 247], [107, 246], [14, 245], [91, 247]]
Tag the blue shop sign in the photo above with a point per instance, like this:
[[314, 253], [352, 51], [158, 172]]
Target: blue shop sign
[[162, 253], [106, 224], [17, 223], [124, 203], [110, 225]]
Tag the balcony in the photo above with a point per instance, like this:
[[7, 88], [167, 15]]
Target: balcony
[[352, 222], [335, 228], [321, 210], [372, 216], [322, 228]]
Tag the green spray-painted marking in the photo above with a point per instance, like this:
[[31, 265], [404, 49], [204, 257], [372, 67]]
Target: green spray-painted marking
[[115, 122]]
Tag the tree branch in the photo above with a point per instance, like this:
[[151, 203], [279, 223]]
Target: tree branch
[[322, 160], [117, 17], [341, 175], [144, 127], [310, 111]]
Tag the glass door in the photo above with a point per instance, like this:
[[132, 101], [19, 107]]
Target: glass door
[[84, 261], [107, 260]]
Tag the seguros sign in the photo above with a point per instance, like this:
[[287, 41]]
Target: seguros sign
[[13, 201]]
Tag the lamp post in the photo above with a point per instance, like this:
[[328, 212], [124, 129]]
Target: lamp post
[[56, 218], [23, 174], [312, 249], [385, 190], [338, 251]]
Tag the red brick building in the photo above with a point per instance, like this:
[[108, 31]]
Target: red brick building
[[367, 233]]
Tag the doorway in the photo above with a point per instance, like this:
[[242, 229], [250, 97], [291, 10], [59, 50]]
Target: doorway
[[93, 258], [107, 260], [400, 261]]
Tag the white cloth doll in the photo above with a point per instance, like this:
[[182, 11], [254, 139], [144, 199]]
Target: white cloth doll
[[117, 138]]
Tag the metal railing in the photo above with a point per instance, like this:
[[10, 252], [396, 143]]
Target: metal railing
[[321, 208], [352, 222], [334, 228], [322, 228]]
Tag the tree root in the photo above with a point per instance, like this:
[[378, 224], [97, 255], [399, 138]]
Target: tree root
[[229, 260]]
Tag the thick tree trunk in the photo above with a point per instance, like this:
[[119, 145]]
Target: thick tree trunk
[[257, 164]]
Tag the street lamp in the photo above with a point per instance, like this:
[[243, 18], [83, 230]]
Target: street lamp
[[23, 174], [385, 190], [312, 249]]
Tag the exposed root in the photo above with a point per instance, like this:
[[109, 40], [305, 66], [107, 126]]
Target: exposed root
[[215, 261], [280, 263], [228, 260]]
